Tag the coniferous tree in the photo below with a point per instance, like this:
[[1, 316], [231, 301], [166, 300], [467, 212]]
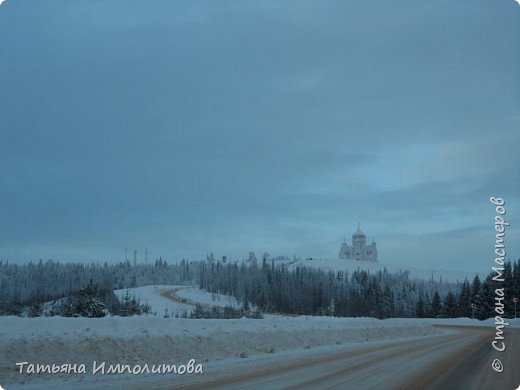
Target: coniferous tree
[[485, 310], [449, 306], [509, 289], [436, 305], [476, 299], [420, 309], [464, 303]]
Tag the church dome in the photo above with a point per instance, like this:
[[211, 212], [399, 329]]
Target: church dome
[[358, 233]]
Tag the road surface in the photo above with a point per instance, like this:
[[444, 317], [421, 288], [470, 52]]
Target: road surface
[[459, 359]]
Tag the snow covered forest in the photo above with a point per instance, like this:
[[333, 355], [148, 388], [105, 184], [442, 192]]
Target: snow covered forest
[[270, 287], [360, 294], [30, 285]]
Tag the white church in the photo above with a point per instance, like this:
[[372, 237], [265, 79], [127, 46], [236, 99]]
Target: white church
[[359, 250]]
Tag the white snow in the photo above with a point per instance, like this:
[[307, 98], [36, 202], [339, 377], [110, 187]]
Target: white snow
[[193, 294], [176, 299], [152, 339]]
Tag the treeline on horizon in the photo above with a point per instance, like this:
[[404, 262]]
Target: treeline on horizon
[[269, 287], [309, 291]]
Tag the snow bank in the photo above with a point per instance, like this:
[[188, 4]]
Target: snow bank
[[152, 339], [156, 340]]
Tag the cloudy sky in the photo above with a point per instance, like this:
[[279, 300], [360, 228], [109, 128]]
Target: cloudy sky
[[193, 126]]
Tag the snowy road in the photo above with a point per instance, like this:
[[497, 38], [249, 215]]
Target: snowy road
[[458, 360]]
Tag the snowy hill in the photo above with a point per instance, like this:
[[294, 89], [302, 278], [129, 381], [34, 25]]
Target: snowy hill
[[176, 300], [353, 265]]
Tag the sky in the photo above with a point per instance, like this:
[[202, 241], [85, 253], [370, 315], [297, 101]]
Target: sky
[[187, 127]]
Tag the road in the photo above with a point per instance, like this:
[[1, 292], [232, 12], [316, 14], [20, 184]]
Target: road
[[459, 359]]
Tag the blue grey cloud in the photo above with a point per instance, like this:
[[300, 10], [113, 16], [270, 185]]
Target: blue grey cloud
[[187, 127]]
